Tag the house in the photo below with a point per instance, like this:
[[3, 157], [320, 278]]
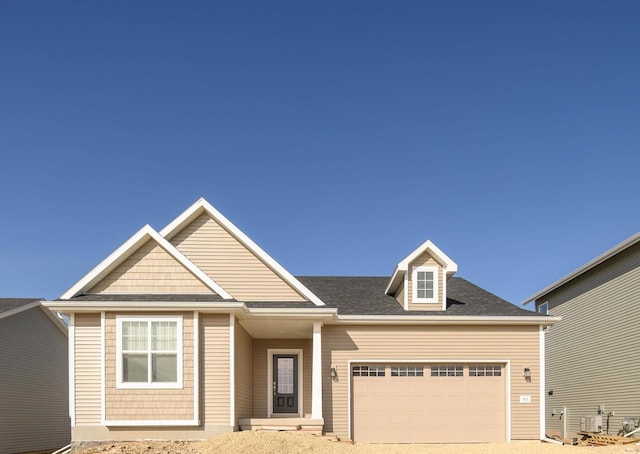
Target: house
[[195, 330], [591, 370], [34, 410]]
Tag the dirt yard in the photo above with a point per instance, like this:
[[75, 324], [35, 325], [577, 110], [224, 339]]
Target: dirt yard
[[264, 442]]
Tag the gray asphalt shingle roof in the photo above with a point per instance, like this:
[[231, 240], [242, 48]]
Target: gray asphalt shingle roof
[[356, 296], [7, 304], [365, 296]]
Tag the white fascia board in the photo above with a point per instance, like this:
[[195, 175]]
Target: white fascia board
[[201, 205], [444, 320], [396, 279], [19, 309], [113, 260], [328, 312], [129, 306], [450, 267], [130, 246], [586, 267]]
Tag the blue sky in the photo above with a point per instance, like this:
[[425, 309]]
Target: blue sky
[[337, 135]]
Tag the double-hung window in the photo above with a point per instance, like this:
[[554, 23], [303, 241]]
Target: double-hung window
[[425, 284], [149, 352]]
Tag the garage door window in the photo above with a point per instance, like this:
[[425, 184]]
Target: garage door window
[[485, 371], [407, 371], [446, 371], [368, 371]]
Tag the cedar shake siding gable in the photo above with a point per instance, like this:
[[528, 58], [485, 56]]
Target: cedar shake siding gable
[[230, 263], [150, 269]]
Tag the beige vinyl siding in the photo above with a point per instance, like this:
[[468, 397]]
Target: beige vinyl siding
[[260, 367], [244, 372], [425, 259], [236, 269], [33, 383], [149, 404], [150, 269], [400, 294], [215, 369], [519, 344], [590, 359], [88, 369]]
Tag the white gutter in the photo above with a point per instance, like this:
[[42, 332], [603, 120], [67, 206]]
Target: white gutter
[[236, 307], [446, 320], [292, 312], [128, 306]]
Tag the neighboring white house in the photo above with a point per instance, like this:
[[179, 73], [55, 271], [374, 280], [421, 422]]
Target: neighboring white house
[[34, 398]]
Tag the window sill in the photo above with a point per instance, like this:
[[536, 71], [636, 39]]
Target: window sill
[[149, 386], [147, 423]]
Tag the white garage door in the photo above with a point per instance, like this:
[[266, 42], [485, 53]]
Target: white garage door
[[429, 403]]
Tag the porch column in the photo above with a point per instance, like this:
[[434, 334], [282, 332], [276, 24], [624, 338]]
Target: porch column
[[316, 374]]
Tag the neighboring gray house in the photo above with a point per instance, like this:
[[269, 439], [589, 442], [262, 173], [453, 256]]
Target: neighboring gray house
[[34, 397], [592, 365]]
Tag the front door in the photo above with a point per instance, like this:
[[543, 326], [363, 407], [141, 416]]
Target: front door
[[285, 383]]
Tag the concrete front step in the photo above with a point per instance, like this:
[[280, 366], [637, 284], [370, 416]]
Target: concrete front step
[[306, 425]]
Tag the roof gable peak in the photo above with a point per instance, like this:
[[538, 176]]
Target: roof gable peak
[[126, 249], [202, 206], [450, 267]]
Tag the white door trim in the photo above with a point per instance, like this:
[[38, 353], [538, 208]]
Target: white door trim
[[283, 351]]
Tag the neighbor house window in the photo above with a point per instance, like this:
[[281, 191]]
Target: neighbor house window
[[425, 284], [544, 308], [149, 352]]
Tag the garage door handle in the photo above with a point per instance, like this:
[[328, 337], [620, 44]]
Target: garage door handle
[[274, 388]]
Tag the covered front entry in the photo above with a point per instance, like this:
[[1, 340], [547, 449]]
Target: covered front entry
[[429, 403], [279, 377]]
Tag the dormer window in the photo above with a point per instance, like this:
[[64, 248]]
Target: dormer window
[[425, 284]]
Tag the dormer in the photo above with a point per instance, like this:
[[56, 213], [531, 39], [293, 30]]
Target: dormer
[[419, 281]]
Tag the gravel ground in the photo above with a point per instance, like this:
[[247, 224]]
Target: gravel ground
[[265, 442]]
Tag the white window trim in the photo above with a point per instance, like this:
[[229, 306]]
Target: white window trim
[[414, 284], [180, 364], [281, 351]]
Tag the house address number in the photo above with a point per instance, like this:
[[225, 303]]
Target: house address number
[[525, 399]]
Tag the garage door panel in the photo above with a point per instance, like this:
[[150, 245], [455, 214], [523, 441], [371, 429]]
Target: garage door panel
[[429, 409]]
